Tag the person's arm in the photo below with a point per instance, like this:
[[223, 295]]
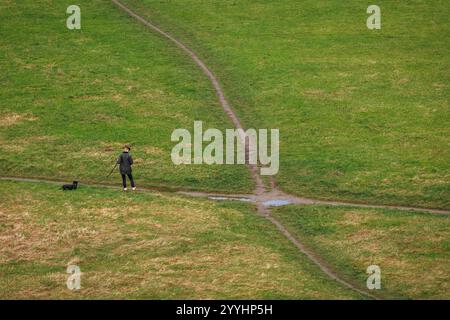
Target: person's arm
[[119, 160], [131, 160]]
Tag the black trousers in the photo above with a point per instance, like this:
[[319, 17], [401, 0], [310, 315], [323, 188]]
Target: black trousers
[[124, 180]]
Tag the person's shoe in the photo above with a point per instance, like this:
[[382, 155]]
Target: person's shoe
[[125, 189], [134, 188]]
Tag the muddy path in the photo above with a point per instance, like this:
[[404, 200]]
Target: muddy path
[[267, 199], [271, 198]]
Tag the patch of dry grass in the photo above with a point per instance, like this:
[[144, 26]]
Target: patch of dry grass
[[10, 119]]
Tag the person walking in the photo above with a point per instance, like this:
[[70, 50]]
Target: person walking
[[125, 161]]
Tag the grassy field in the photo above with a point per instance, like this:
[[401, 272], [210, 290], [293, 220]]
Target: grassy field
[[71, 99], [146, 245], [411, 249], [363, 114]]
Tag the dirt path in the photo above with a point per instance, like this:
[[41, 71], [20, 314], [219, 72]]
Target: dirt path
[[276, 195], [256, 198]]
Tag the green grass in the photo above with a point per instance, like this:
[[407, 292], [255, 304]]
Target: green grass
[[363, 114], [146, 245], [411, 249], [71, 99]]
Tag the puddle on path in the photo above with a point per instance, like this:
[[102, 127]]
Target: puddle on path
[[267, 203], [276, 203], [230, 198]]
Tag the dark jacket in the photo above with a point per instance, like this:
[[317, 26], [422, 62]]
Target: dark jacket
[[125, 160]]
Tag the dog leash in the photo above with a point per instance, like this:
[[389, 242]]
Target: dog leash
[[112, 170]]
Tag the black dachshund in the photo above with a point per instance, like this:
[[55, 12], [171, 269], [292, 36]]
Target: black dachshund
[[72, 186]]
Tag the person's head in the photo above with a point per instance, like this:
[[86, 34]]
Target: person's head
[[126, 148]]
